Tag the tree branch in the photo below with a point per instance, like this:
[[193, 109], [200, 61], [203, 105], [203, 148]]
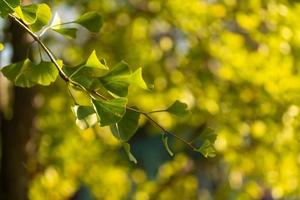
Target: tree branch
[[93, 92]]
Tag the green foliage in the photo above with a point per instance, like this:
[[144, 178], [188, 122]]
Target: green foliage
[[127, 126], [178, 108], [7, 7], [206, 141], [107, 88], [110, 111], [28, 74], [91, 21], [68, 32], [116, 81], [85, 73], [36, 16], [85, 116]]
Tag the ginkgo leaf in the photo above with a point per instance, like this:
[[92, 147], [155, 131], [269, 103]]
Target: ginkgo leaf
[[56, 22], [136, 78], [127, 126], [27, 74], [94, 62], [36, 16], [131, 157], [7, 6], [27, 13], [85, 73], [85, 116], [68, 32], [206, 141], [91, 21], [178, 108], [116, 80], [206, 149], [110, 111]]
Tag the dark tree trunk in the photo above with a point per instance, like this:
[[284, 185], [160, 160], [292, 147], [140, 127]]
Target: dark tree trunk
[[17, 132]]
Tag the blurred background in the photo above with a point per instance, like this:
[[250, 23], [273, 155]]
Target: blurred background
[[235, 63]]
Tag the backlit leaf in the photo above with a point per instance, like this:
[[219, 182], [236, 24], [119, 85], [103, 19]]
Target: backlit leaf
[[27, 74], [85, 116], [44, 15], [136, 78], [127, 127], [116, 81], [84, 74], [206, 142], [7, 6], [178, 108], [110, 111], [36, 16], [91, 21], [68, 32]]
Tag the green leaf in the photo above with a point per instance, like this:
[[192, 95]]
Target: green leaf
[[206, 149], [165, 141], [110, 111], [7, 6], [27, 13], [178, 108], [1, 46], [44, 15], [68, 32], [36, 16], [94, 62], [207, 139], [127, 127], [27, 74], [136, 78], [84, 74], [91, 21], [85, 116], [116, 81], [126, 147]]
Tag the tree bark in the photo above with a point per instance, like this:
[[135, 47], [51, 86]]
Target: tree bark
[[17, 132]]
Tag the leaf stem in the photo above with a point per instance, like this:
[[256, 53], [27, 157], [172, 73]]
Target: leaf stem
[[157, 111]]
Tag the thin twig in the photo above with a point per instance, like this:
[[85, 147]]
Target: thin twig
[[157, 111]]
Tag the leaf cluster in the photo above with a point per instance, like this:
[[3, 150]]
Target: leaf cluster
[[106, 87]]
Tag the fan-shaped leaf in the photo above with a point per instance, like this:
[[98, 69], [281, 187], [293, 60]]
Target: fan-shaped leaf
[[178, 108], [36, 16], [85, 116], [206, 141], [116, 81], [91, 21], [85, 74], [27, 74], [110, 111], [68, 32], [7, 6], [136, 78], [126, 128]]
